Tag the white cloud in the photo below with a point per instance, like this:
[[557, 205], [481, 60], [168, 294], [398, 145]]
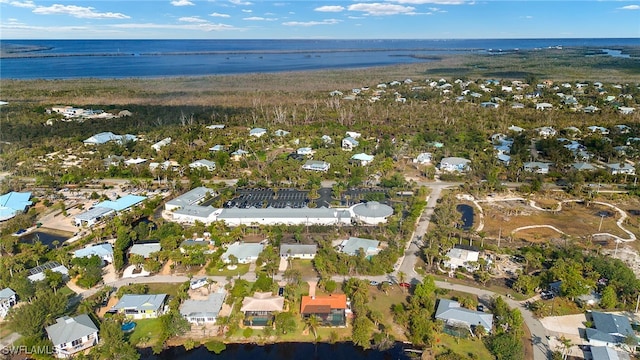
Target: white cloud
[[23, 4], [630, 7], [311, 23], [247, 10], [330, 8], [259, 18], [240, 2], [78, 12], [192, 19], [355, 17], [439, 2], [200, 27], [182, 3], [215, 14], [378, 9]]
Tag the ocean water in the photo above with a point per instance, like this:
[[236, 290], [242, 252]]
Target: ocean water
[[64, 59]]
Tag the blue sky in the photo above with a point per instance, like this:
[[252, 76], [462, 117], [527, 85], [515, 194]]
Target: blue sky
[[320, 19]]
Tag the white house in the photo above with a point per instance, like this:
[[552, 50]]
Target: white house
[[598, 129], [546, 131], [298, 251], [207, 165], [238, 154], [7, 300], [362, 158], [103, 251], [305, 151], [145, 249], [462, 258], [37, 273], [353, 134], [625, 110], [192, 197], [315, 165], [353, 245], [72, 335], [327, 139], [281, 133], [544, 106], [216, 148], [621, 168], [203, 311], [454, 164], [160, 144], [245, 252], [423, 159], [349, 143], [536, 167], [257, 132], [371, 213]]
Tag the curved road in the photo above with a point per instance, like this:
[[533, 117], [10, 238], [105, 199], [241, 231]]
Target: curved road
[[407, 262]]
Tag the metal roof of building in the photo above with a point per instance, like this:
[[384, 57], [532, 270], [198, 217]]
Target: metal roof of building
[[354, 244], [298, 249], [253, 213], [611, 323], [372, 209], [6, 293], [13, 203], [450, 311], [140, 302], [204, 308], [196, 210], [94, 213], [145, 250], [122, 203], [100, 250], [67, 329], [191, 197], [243, 251]]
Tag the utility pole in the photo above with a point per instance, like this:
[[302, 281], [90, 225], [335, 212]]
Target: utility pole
[[499, 235]]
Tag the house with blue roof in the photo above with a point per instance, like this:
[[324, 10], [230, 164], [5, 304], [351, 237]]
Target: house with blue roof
[[108, 136], [13, 203], [146, 306], [349, 143], [608, 329], [352, 246]]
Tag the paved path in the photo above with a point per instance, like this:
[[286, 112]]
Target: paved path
[[9, 340]]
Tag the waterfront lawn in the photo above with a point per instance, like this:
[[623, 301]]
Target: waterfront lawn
[[470, 347], [381, 302], [147, 333], [241, 270], [163, 288]]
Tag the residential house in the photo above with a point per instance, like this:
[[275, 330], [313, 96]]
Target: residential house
[[454, 164], [326, 139], [147, 306], [583, 166], [160, 144], [281, 133], [608, 329], [489, 105], [257, 132], [7, 300], [517, 105], [105, 137], [362, 159], [353, 134], [544, 106], [598, 129], [207, 165], [203, 311], [546, 131], [462, 257], [621, 168], [72, 335], [14, 203], [349, 143], [244, 252], [38, 273], [331, 309], [423, 159], [121, 204], [103, 251], [305, 151], [455, 316], [145, 249], [136, 161], [238, 154], [298, 251], [353, 245], [216, 148], [336, 93], [515, 128], [215, 126], [590, 109], [622, 129], [315, 165], [260, 309], [537, 167], [607, 353], [625, 110], [113, 160]]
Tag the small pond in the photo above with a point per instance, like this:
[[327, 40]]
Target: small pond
[[46, 237], [467, 215]]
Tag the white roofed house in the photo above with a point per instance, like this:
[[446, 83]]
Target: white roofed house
[[204, 164], [257, 132], [239, 154], [103, 251], [546, 131], [423, 159], [362, 158], [537, 167], [544, 106], [260, 308], [105, 137], [298, 251], [160, 144], [461, 257], [203, 311], [353, 134], [244, 253], [621, 168], [353, 245], [72, 335], [454, 164], [192, 197], [455, 316], [305, 151], [315, 165], [7, 300], [145, 249], [626, 110]]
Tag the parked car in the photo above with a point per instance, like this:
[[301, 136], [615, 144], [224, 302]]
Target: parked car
[[547, 295], [480, 308], [374, 283], [405, 285], [198, 283]]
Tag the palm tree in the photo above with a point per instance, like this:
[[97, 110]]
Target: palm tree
[[312, 323]]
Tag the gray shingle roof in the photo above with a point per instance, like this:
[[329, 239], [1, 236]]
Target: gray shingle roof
[[6, 293], [611, 323], [145, 249], [243, 251], [140, 302], [67, 329], [297, 249]]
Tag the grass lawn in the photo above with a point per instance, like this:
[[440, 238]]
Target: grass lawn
[[305, 267], [470, 347], [379, 301], [163, 288], [146, 333], [4, 329], [66, 291], [241, 270]]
